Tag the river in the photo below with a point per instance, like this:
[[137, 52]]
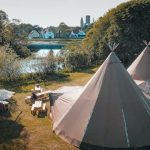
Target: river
[[27, 64]]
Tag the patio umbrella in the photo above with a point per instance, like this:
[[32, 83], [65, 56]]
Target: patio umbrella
[[5, 94]]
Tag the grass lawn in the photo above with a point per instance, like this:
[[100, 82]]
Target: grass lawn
[[30, 132]]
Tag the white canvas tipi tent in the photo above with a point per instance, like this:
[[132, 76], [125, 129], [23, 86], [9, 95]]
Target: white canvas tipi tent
[[110, 112], [140, 68]]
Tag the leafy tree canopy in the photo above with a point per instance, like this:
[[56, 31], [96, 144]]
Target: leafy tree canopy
[[127, 24]]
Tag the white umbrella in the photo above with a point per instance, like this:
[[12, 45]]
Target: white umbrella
[[5, 94]]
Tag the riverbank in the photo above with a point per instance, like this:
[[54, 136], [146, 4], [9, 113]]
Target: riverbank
[[30, 132], [50, 43], [53, 41]]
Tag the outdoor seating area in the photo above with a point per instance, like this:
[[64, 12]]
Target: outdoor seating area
[[37, 94], [42, 96], [37, 100], [39, 109]]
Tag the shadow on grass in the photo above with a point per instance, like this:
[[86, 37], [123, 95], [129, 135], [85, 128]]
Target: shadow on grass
[[88, 70], [12, 108], [16, 86], [6, 114], [13, 135], [57, 78]]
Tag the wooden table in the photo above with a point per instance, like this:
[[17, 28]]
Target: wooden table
[[39, 94], [37, 106]]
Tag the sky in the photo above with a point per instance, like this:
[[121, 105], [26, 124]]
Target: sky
[[51, 12]]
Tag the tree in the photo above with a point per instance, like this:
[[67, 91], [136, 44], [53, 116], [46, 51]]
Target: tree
[[127, 24], [75, 60], [74, 57], [63, 30], [50, 63], [8, 33], [1, 33], [21, 51], [9, 65]]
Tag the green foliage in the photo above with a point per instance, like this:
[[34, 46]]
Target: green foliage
[[7, 33], [63, 30], [75, 60], [51, 63], [87, 28], [9, 65], [127, 24], [74, 57], [22, 30], [22, 51], [14, 36]]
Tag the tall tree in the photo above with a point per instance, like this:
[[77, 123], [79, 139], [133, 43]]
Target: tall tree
[[9, 64], [8, 33], [63, 28], [127, 24]]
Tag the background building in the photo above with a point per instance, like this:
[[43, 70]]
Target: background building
[[48, 35], [33, 34], [81, 23], [85, 23], [87, 20], [77, 34]]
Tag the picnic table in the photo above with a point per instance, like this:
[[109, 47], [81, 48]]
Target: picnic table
[[36, 107], [39, 94]]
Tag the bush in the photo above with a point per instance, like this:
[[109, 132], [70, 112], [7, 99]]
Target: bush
[[75, 60], [22, 51], [9, 65]]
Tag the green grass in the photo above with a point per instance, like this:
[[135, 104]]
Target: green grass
[[30, 132]]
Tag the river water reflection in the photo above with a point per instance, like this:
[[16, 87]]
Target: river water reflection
[[27, 64]]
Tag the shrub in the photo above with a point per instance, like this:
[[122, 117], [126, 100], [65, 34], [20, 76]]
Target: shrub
[[9, 65]]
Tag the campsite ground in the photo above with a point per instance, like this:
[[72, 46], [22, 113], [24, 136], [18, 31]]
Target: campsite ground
[[30, 132]]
